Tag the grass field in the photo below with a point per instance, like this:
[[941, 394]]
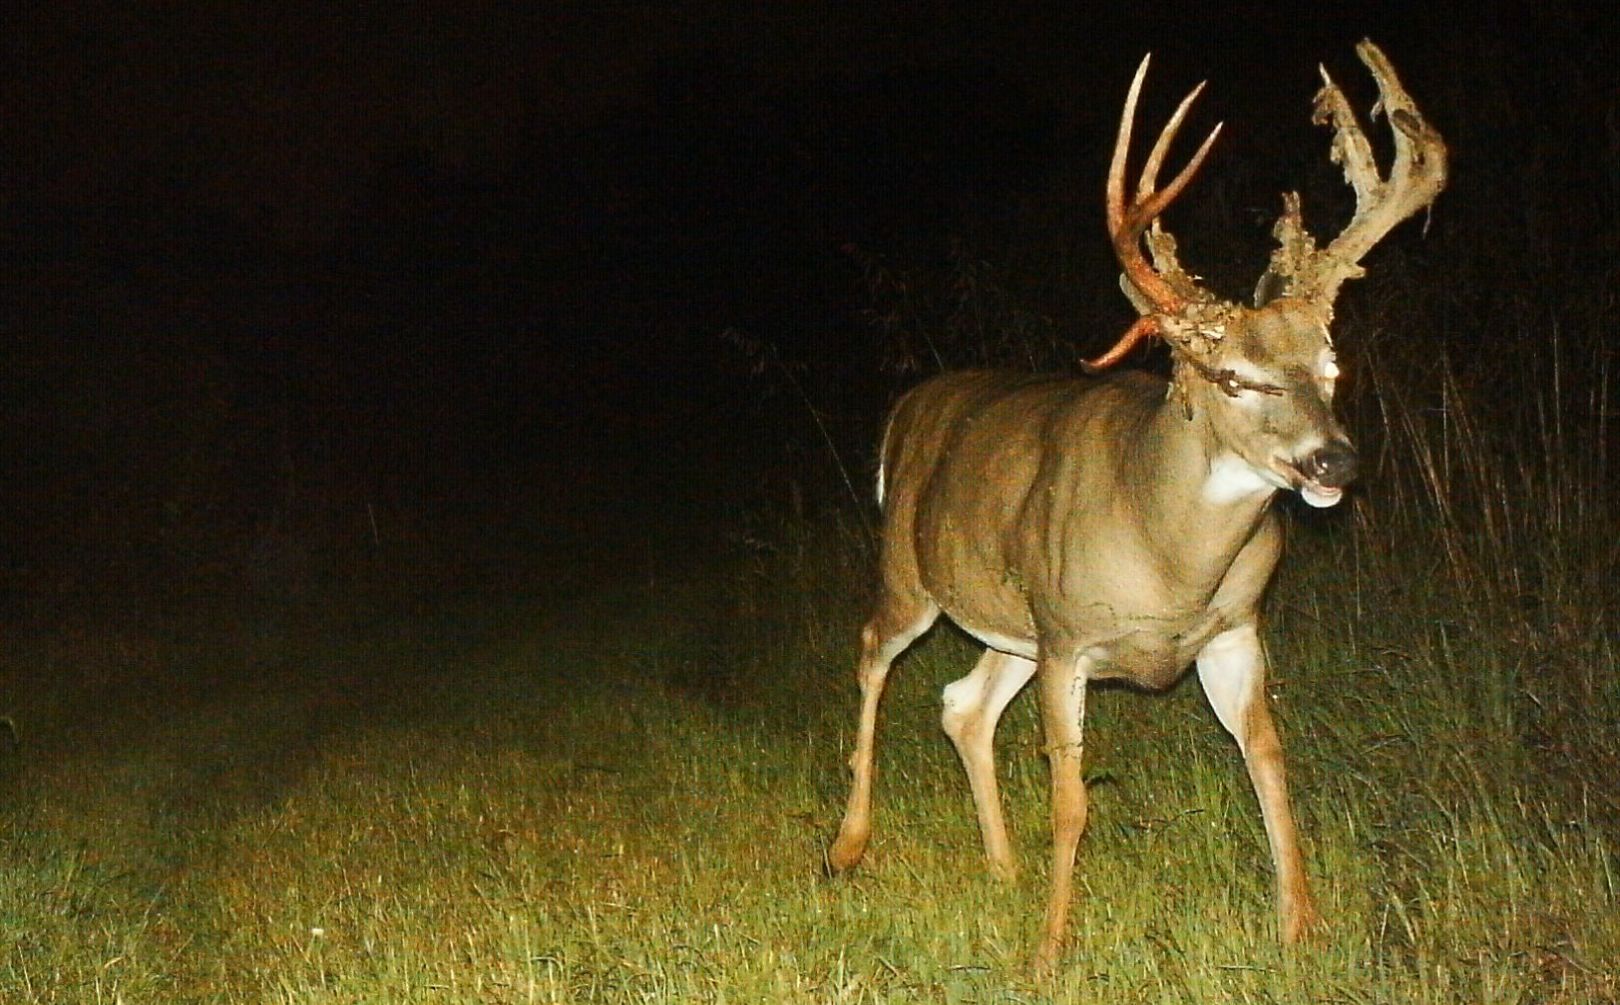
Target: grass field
[[620, 792]]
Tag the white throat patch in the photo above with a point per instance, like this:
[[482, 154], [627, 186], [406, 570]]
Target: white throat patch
[[1232, 479]]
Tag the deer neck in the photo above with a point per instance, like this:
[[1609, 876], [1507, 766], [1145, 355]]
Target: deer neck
[[1204, 503]]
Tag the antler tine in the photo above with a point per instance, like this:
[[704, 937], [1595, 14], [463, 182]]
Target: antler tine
[[1127, 224], [1115, 186], [1145, 327], [1150, 170], [1351, 149], [1416, 176]]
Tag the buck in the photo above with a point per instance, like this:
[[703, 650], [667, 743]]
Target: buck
[[1121, 526]]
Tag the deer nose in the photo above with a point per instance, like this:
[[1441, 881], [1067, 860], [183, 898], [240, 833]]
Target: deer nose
[[1332, 466]]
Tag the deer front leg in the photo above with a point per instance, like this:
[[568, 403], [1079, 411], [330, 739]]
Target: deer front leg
[[1232, 668], [1063, 709], [973, 706]]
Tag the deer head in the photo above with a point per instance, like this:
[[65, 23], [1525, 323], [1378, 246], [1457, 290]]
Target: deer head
[[1265, 375]]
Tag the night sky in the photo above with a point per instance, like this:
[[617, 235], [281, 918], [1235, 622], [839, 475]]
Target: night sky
[[365, 268]]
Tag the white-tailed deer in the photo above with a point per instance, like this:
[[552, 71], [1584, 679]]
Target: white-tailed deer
[[1121, 526]]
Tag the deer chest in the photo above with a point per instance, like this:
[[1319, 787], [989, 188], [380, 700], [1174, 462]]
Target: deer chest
[[1154, 656]]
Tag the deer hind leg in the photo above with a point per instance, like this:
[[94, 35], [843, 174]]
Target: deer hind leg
[[895, 626], [973, 706], [1232, 668], [1063, 710]]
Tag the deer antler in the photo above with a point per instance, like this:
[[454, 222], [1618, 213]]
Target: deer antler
[[1166, 289], [1416, 177]]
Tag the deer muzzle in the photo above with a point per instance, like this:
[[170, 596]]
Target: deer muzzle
[[1331, 466], [1326, 471]]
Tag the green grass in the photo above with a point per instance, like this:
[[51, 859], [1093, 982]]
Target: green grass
[[623, 796]]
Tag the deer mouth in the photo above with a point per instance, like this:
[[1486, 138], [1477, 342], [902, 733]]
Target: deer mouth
[[1310, 489], [1319, 495]]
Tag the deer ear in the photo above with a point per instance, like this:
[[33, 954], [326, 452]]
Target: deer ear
[[1271, 286], [1138, 299]]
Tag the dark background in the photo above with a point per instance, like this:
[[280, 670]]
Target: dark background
[[386, 292]]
